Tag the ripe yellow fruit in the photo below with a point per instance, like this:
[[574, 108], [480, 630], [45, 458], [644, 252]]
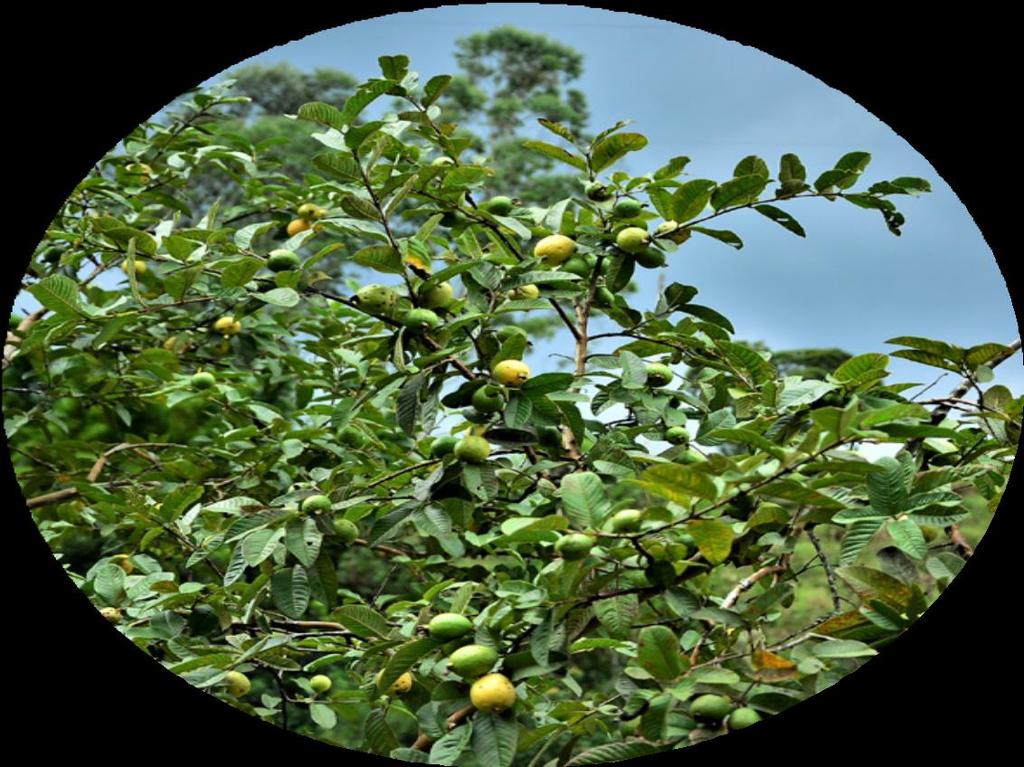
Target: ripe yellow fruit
[[227, 325], [555, 249], [140, 266], [513, 373], [400, 686], [112, 614], [308, 211], [238, 683], [297, 225], [492, 693]]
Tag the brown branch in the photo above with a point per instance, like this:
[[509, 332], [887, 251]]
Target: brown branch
[[54, 497], [13, 339], [830, 574], [423, 741], [748, 583]]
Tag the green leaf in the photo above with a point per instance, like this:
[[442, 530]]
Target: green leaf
[[782, 218], [584, 499], [659, 654], [610, 150], [339, 165], [634, 371], [290, 591], [234, 275], [259, 545], [751, 165], [286, 297], [403, 659], [379, 737], [547, 383], [678, 483], [557, 153], [722, 235], [59, 294], [713, 538], [446, 749], [361, 99], [843, 648], [302, 538], [869, 583], [617, 614], [361, 621], [738, 191], [690, 200], [434, 88], [887, 490], [494, 739], [908, 537], [323, 715], [613, 752], [791, 169], [381, 258], [858, 535], [324, 114]]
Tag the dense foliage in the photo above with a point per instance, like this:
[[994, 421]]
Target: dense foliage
[[581, 566]]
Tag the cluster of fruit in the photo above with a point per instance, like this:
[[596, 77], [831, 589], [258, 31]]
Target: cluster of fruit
[[489, 692], [307, 213]]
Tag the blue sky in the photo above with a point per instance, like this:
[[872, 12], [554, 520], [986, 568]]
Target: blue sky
[[850, 283]]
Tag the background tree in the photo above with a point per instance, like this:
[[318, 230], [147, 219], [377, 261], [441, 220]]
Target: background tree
[[216, 444]]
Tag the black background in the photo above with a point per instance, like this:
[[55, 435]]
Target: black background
[[76, 689]]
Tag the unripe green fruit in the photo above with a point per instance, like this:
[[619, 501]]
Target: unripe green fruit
[[346, 530], [658, 374], [930, 532], [316, 504], [633, 239], [666, 227], [320, 683], [499, 206], [421, 319], [238, 683], [472, 449], [626, 520], [604, 297], [555, 249], [574, 546], [651, 258], [505, 332], [661, 574], [627, 208], [203, 380], [597, 191], [488, 399], [376, 299], [448, 626], [742, 718], [493, 693], [576, 265], [438, 296], [524, 293], [710, 707], [282, 260], [453, 218], [677, 435], [550, 436], [690, 456], [443, 446], [472, 660]]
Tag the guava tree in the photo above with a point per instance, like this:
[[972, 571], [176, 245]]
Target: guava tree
[[575, 566]]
